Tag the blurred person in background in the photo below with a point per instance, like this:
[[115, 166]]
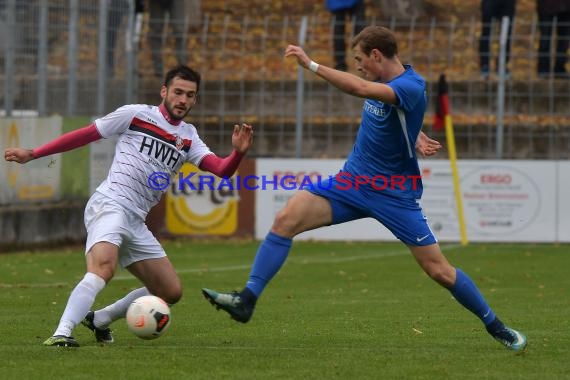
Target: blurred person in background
[[182, 15], [341, 10], [116, 11], [550, 13], [492, 11]]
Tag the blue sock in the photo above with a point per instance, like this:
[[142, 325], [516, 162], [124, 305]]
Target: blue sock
[[270, 257], [466, 293]]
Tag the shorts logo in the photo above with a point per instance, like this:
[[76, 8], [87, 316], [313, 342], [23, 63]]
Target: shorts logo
[[195, 210], [420, 239]]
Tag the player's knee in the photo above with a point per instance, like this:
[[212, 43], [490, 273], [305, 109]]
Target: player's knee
[[174, 299], [172, 296], [106, 272], [284, 224], [441, 275]]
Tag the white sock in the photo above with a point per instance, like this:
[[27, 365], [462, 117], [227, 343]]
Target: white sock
[[105, 316], [80, 301]]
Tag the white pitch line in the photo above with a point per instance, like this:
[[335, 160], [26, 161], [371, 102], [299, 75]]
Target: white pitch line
[[249, 348], [196, 270], [301, 261], [291, 261], [25, 286]]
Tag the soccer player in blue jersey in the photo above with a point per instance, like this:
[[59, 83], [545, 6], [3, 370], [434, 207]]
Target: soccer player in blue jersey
[[389, 135]]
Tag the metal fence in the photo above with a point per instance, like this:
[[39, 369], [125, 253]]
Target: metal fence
[[76, 57]]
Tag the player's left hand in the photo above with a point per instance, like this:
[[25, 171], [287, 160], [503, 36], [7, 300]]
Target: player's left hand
[[242, 138], [426, 146], [298, 52]]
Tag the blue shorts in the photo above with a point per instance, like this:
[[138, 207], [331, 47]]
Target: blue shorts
[[402, 216]]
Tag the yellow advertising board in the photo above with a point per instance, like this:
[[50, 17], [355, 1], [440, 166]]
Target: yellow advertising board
[[37, 180], [199, 203]]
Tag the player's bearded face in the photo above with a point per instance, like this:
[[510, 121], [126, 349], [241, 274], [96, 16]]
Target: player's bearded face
[[179, 97]]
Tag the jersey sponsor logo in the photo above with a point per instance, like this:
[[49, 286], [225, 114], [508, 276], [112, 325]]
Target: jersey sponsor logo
[[375, 110], [158, 144], [149, 129], [160, 151]]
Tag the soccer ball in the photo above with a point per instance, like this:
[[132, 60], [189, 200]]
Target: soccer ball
[[148, 317]]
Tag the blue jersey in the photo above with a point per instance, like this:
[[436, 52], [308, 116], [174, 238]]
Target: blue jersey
[[385, 144]]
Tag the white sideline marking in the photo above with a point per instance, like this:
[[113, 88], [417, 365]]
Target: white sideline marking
[[291, 261], [301, 261], [249, 348], [23, 285]]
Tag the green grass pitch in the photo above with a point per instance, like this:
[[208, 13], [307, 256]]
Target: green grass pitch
[[335, 311]]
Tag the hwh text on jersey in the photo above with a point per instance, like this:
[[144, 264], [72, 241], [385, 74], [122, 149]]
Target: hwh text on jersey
[[161, 151]]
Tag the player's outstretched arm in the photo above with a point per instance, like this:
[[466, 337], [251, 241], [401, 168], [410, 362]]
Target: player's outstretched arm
[[242, 139], [346, 82], [426, 146], [63, 143]]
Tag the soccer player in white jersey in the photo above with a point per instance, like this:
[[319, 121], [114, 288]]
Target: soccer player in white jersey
[[151, 139], [390, 128]]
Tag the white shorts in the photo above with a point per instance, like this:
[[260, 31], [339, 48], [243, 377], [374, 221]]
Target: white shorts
[[106, 220]]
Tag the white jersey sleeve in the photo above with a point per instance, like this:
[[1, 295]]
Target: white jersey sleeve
[[198, 150], [117, 121]]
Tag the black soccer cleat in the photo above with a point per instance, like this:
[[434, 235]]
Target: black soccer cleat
[[231, 303], [510, 338], [102, 335]]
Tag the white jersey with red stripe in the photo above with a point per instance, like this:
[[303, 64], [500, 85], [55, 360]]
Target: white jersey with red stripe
[[147, 144]]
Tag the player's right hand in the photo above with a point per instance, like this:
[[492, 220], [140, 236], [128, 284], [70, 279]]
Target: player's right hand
[[18, 155], [298, 52]]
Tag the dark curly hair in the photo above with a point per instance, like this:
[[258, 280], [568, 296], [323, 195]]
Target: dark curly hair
[[182, 72]]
